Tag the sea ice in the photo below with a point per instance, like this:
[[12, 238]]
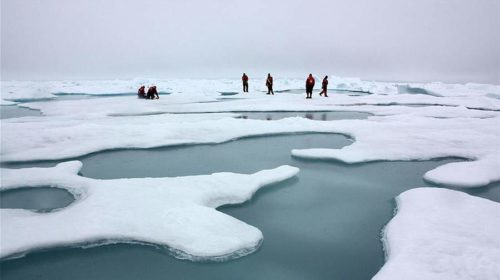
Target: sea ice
[[73, 128], [175, 212], [440, 234]]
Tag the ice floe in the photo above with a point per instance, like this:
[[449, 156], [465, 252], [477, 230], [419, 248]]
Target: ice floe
[[37, 90], [420, 138], [438, 127], [178, 213], [433, 235], [443, 235]]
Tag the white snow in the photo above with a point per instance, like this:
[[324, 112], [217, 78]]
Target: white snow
[[6, 103], [467, 174], [175, 212], [437, 234], [443, 235], [32, 90], [440, 126], [420, 138]]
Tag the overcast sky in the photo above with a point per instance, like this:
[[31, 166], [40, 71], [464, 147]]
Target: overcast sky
[[408, 40]]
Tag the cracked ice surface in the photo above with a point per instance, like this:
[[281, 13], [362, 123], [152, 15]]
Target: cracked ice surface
[[440, 234], [175, 212]]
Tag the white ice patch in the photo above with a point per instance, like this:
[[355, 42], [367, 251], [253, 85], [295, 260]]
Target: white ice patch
[[175, 212], [467, 174], [440, 234], [6, 103], [415, 138], [33, 90], [255, 101], [392, 137], [439, 127]]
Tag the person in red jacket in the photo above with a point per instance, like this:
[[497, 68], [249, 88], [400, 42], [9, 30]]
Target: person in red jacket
[[141, 93], [309, 86], [324, 87], [269, 84], [244, 79], [152, 93]]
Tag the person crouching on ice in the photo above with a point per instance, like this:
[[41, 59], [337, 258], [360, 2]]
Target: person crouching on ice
[[244, 79], [141, 93], [153, 93], [269, 84], [324, 87], [309, 86]]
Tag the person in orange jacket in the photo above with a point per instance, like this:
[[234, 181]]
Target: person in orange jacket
[[269, 84], [309, 86], [244, 79], [324, 87]]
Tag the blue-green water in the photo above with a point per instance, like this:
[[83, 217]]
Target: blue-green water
[[13, 111], [40, 198], [323, 224], [318, 116]]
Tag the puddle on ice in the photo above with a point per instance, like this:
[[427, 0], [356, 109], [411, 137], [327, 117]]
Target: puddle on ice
[[13, 111], [277, 115], [323, 224], [40, 199], [317, 90], [322, 116], [406, 89], [228, 93]]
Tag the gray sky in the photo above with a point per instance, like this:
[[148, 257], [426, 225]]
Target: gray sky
[[410, 40]]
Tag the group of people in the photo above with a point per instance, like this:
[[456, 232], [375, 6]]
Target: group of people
[[269, 83], [310, 82], [310, 86], [151, 94]]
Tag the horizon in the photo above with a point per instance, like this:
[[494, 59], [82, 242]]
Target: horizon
[[251, 78]]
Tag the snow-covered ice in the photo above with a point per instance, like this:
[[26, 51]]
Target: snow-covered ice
[[443, 235], [422, 138], [73, 128], [175, 212], [434, 234]]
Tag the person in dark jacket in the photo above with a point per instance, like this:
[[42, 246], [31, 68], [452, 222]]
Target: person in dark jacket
[[269, 84], [324, 87], [153, 93], [141, 93], [309, 86], [244, 79]]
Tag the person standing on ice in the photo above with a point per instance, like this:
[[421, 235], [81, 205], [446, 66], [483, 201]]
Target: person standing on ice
[[153, 93], [269, 84], [244, 79], [309, 86], [324, 87], [141, 93]]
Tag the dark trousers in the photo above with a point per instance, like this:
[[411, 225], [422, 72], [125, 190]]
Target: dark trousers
[[270, 90], [309, 92], [324, 91], [245, 86]]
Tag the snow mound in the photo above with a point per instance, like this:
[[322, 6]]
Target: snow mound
[[440, 234], [178, 213]]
